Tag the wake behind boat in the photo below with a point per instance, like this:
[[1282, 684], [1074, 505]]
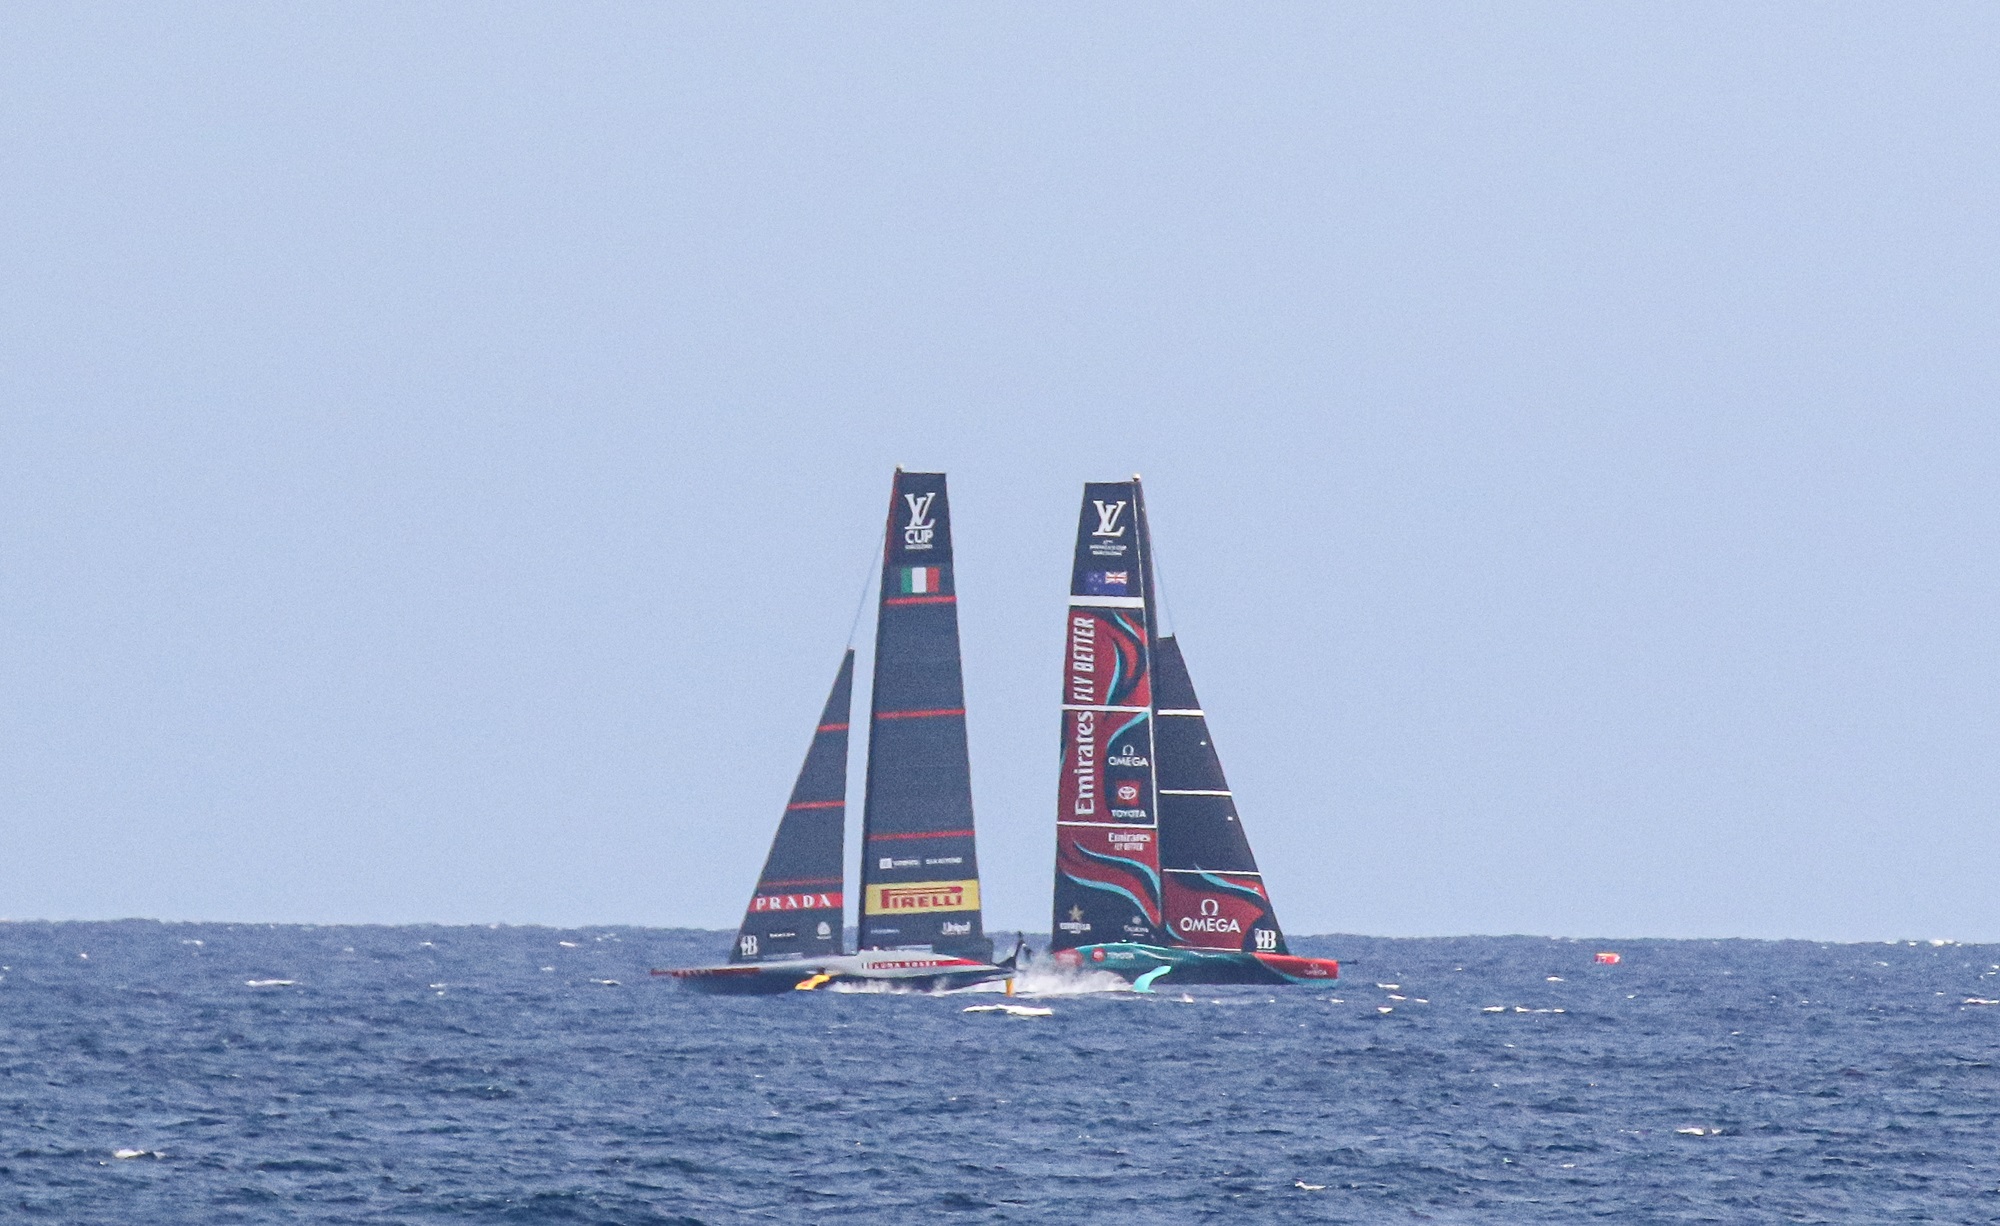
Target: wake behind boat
[[1154, 875], [920, 910], [918, 970]]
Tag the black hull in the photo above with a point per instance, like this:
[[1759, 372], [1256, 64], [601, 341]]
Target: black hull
[[912, 972], [738, 980]]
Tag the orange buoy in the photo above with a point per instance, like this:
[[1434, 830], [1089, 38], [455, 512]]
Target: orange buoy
[[1608, 959]]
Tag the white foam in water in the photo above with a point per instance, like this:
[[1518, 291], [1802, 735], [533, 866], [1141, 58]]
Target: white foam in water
[[269, 983], [905, 987], [1010, 1010], [1043, 979], [864, 987]]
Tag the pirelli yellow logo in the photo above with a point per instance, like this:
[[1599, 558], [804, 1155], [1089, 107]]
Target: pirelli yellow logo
[[906, 896]]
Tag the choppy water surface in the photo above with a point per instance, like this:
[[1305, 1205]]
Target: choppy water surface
[[533, 1075]]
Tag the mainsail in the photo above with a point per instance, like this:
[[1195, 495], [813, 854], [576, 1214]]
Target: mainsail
[[919, 872], [1149, 848], [1107, 836], [797, 907]]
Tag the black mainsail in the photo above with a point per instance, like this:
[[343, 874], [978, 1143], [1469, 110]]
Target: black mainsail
[[919, 871], [797, 907], [920, 922]]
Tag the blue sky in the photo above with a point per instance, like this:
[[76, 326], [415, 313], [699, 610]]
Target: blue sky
[[441, 446]]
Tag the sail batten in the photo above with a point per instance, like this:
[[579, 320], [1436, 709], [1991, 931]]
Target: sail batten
[[919, 866]]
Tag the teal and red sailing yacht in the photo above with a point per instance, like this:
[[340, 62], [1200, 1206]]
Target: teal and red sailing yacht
[[1154, 875], [920, 919]]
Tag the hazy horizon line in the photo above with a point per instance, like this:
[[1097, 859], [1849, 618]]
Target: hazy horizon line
[[489, 925]]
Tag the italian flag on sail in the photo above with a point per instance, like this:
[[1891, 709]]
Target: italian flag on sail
[[918, 580]]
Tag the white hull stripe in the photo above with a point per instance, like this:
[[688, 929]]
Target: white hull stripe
[[1164, 711], [1223, 872], [1070, 706], [1194, 792], [1107, 602], [1116, 825]]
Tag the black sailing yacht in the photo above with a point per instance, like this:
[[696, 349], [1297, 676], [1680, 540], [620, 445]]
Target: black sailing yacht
[[1154, 874], [920, 910]]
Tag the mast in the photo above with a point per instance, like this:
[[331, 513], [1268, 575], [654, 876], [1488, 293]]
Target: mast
[[1107, 848], [798, 904], [919, 868]]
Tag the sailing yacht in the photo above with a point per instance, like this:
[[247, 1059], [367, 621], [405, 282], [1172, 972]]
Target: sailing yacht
[[920, 916], [1154, 874]]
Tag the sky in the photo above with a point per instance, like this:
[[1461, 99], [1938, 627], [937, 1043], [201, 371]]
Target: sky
[[442, 446]]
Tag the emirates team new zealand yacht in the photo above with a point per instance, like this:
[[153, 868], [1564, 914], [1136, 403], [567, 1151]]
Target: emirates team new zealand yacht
[[920, 911], [1154, 875]]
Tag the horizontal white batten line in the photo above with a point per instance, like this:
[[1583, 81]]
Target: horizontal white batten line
[[1107, 602], [1113, 825], [1195, 792], [1164, 711], [1220, 872], [1070, 706]]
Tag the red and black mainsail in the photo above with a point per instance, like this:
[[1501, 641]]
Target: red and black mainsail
[[1107, 835], [1149, 847]]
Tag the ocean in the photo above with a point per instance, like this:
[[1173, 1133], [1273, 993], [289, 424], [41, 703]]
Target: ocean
[[216, 1073]]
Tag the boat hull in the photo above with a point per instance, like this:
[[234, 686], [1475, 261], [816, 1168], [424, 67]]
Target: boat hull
[[915, 970], [1155, 965]]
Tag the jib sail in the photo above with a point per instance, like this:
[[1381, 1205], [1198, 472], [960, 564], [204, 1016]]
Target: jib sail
[[1107, 836], [919, 871], [1214, 896], [797, 909]]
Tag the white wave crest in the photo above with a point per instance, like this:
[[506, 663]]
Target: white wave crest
[[1048, 979], [1010, 1010]]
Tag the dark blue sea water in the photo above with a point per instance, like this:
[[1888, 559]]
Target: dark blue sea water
[[528, 1075]]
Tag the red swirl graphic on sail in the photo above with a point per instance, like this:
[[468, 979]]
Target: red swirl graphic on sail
[[1107, 659]]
